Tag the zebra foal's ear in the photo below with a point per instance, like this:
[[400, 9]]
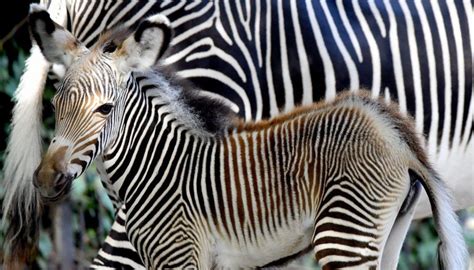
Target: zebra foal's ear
[[144, 47], [57, 44]]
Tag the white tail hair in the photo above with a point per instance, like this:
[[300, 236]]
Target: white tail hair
[[452, 249], [20, 204]]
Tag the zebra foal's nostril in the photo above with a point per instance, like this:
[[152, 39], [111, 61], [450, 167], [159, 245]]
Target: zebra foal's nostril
[[61, 180]]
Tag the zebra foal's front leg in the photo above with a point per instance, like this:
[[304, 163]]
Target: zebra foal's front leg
[[171, 242]]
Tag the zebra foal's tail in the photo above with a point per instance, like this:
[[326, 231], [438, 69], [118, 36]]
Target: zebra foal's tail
[[452, 249]]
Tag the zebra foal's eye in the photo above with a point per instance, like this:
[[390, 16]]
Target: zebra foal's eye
[[104, 108]]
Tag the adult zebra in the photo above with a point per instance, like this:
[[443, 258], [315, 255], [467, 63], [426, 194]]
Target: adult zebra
[[261, 56], [330, 177]]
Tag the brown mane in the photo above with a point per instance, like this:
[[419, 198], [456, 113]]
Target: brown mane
[[320, 105]]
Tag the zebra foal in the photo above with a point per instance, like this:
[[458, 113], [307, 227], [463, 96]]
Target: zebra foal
[[203, 190]]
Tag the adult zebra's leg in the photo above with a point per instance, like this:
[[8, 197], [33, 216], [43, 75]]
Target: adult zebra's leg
[[392, 249]]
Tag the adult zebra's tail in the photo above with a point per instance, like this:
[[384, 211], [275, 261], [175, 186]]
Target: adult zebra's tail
[[21, 206]]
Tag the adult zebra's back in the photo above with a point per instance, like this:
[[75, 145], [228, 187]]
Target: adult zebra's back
[[275, 54]]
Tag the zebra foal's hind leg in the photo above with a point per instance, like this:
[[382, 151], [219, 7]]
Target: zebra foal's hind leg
[[393, 246], [351, 230], [338, 245]]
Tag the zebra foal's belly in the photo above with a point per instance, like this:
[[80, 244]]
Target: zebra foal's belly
[[283, 242]]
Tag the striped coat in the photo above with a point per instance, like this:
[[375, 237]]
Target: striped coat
[[243, 196]]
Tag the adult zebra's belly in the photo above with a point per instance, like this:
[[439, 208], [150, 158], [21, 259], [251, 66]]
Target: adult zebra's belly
[[284, 242], [456, 168]]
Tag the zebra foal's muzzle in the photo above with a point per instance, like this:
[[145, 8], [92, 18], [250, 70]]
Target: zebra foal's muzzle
[[51, 178]]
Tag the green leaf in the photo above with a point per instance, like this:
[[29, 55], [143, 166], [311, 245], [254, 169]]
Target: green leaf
[[78, 188]]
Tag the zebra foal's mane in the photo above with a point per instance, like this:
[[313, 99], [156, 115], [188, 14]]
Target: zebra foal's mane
[[201, 114], [213, 115]]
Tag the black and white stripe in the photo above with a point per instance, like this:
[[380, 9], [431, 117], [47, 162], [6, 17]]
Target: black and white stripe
[[261, 59], [269, 55], [331, 177]]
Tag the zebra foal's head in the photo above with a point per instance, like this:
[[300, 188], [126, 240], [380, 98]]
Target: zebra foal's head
[[89, 102]]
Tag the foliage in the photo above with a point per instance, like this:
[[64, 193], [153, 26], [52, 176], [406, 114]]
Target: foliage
[[9, 82], [420, 248]]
